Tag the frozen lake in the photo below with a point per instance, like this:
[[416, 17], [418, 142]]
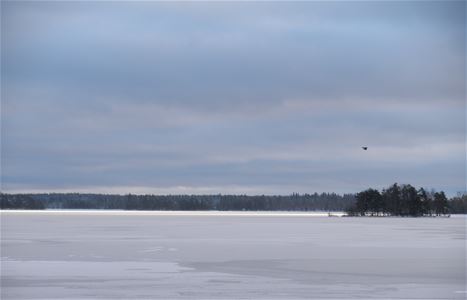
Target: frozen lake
[[210, 255]]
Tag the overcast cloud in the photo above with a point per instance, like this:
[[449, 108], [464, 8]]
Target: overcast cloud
[[247, 97]]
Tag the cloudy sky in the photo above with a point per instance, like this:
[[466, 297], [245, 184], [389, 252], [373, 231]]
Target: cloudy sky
[[246, 97]]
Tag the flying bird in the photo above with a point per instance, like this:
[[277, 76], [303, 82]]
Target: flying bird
[[365, 148]]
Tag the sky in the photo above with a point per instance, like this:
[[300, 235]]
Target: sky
[[232, 97]]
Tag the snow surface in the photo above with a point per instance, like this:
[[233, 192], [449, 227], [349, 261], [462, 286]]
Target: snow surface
[[234, 255]]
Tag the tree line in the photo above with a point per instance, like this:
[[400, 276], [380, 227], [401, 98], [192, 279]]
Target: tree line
[[294, 202], [397, 200], [405, 200]]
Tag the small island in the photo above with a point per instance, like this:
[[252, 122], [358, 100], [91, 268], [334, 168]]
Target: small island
[[404, 200]]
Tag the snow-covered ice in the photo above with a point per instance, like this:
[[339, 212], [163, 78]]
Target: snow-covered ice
[[163, 255]]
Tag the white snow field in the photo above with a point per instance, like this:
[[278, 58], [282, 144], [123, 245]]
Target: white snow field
[[216, 255]]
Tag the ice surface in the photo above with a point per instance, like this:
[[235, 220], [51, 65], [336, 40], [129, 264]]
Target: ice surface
[[168, 255]]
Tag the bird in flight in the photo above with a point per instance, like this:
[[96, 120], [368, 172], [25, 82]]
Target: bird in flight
[[365, 148]]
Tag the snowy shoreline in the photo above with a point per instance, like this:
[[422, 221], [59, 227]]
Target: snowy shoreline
[[176, 212]]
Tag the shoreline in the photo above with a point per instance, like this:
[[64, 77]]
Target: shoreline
[[174, 212], [213, 213]]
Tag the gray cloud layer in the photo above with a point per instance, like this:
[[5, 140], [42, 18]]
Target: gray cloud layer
[[232, 97]]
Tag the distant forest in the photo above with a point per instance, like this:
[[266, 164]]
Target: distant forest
[[396, 200], [294, 202]]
